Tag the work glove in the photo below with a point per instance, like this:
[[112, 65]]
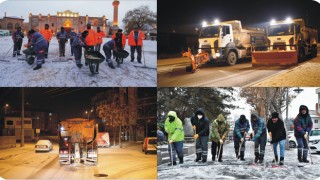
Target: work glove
[[171, 141], [242, 140], [221, 141], [306, 135], [195, 136]]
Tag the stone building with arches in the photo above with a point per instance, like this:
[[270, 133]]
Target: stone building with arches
[[68, 20], [10, 23]]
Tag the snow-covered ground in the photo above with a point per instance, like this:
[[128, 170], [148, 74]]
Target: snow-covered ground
[[231, 169], [304, 75], [17, 73], [128, 162]]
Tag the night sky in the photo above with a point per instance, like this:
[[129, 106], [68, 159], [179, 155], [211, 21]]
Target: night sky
[[68, 102], [185, 16]]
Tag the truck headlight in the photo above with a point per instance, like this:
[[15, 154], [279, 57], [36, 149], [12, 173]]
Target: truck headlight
[[293, 48], [217, 54]]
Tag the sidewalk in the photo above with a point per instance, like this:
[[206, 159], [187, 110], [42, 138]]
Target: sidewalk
[[236, 171], [305, 75]]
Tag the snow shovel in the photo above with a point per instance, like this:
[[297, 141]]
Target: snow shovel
[[3, 58], [239, 151], [219, 151], [144, 62], [171, 155], [309, 150]]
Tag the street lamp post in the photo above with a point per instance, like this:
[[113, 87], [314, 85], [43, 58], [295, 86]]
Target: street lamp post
[[5, 108]]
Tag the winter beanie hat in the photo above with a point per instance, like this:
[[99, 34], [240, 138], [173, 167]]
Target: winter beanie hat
[[275, 115]]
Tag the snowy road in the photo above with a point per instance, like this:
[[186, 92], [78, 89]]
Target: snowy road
[[244, 171], [171, 73], [15, 73], [127, 162]]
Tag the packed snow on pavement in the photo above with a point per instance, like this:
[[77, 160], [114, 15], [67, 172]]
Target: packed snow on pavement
[[128, 162], [230, 168], [17, 73]]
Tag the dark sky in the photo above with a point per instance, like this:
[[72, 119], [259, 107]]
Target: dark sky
[[68, 102], [184, 16]]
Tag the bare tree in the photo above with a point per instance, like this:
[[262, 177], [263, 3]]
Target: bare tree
[[268, 100], [141, 17]]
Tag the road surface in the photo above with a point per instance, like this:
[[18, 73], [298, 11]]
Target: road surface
[[127, 162], [171, 73]]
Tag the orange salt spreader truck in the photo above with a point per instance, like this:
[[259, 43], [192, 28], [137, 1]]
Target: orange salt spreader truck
[[78, 142]]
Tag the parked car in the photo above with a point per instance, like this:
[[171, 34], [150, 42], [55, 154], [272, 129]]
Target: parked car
[[314, 140], [292, 140], [43, 145], [149, 145]]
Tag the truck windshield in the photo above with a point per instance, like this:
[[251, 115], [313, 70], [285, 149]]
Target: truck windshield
[[281, 29], [209, 32]]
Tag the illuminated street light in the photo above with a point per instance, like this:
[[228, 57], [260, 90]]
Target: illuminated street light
[[204, 24], [273, 22], [288, 20], [216, 21]]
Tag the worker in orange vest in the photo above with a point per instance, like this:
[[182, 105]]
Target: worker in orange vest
[[91, 39], [135, 42], [100, 35], [47, 34], [120, 39]]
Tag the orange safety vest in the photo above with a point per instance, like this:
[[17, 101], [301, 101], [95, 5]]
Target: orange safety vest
[[47, 34], [91, 39], [100, 35], [124, 39], [131, 40]]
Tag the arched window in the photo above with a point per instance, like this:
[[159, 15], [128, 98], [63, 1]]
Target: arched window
[[17, 25], [9, 26]]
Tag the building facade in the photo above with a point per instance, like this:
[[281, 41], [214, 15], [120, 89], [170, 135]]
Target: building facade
[[68, 20], [10, 23]]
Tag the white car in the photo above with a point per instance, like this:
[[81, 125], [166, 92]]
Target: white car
[[292, 140], [314, 140], [43, 145]]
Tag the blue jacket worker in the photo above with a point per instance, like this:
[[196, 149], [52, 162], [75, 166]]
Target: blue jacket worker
[[241, 128]]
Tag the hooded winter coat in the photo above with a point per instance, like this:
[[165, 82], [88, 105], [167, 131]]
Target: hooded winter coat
[[277, 130], [220, 127], [258, 126], [240, 127], [202, 125], [174, 129], [302, 123]]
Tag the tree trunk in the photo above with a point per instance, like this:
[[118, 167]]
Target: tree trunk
[[114, 136], [120, 143]]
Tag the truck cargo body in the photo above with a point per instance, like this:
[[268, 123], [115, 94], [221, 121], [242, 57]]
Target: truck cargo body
[[78, 142]]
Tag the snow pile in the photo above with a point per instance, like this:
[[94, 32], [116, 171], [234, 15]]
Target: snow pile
[[17, 73], [230, 168], [306, 74]]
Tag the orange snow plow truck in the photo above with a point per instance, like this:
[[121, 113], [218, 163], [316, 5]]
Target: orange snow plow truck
[[289, 42], [78, 142]]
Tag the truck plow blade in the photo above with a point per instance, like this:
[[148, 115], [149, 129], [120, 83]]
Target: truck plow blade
[[274, 58]]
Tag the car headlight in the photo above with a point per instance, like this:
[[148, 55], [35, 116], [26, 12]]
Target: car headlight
[[316, 142]]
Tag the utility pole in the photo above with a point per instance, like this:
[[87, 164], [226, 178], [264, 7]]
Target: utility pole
[[287, 119], [22, 118]]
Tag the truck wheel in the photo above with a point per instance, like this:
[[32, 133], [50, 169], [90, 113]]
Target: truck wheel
[[314, 52], [188, 69], [232, 58], [301, 55]]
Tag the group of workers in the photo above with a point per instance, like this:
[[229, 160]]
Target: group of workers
[[219, 133], [89, 39]]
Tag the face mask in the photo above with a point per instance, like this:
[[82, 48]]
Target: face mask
[[200, 116], [171, 118]]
